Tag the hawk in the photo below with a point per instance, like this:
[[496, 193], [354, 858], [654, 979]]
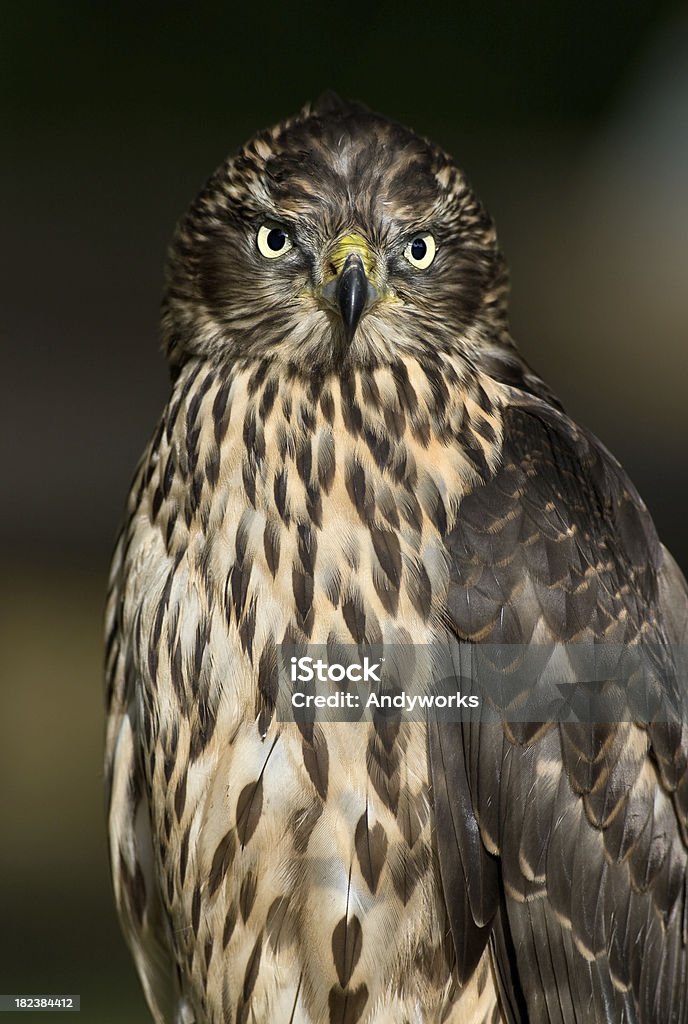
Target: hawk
[[354, 453]]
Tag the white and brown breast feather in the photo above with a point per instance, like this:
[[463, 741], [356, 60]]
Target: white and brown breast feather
[[295, 866]]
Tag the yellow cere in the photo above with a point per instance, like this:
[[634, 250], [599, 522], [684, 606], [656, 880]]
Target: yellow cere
[[348, 244]]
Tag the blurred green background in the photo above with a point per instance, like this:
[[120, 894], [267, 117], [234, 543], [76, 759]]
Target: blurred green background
[[572, 122]]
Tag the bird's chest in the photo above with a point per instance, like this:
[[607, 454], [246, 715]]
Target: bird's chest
[[317, 882], [303, 881]]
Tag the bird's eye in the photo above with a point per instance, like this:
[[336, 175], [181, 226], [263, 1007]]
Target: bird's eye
[[272, 242], [420, 252]]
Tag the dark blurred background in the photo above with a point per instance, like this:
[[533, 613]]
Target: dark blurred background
[[572, 122]]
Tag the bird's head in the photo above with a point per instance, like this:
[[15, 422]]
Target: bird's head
[[337, 236]]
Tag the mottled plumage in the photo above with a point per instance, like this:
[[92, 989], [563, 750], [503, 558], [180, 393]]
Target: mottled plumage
[[354, 452]]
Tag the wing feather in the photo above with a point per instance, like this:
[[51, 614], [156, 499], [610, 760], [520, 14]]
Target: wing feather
[[571, 835]]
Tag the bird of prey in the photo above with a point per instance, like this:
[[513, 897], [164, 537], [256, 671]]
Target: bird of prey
[[354, 453]]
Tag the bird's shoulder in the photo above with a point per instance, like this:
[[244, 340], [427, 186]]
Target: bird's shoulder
[[558, 522]]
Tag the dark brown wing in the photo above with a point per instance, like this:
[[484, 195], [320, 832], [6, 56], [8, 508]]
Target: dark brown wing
[[568, 838]]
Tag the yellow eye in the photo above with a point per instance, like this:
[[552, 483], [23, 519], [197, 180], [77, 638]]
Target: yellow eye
[[420, 252], [272, 242]]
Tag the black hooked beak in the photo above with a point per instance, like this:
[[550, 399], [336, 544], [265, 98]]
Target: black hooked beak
[[352, 293]]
